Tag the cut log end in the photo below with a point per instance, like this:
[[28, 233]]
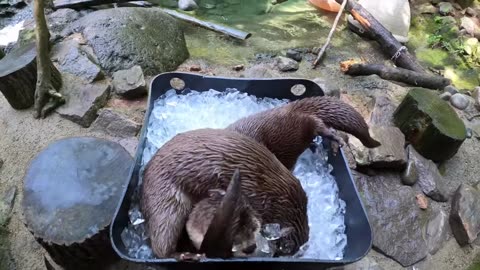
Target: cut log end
[[71, 191], [428, 122]]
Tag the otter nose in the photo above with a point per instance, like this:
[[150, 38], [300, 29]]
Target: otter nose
[[250, 249]]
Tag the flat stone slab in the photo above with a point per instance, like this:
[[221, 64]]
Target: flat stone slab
[[397, 222], [72, 188], [115, 124], [437, 230], [391, 154], [430, 180], [83, 99], [130, 83], [465, 214]]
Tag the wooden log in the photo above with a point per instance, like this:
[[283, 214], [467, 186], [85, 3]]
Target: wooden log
[[399, 54], [430, 125], [71, 191], [229, 31], [83, 3], [399, 75], [18, 76]]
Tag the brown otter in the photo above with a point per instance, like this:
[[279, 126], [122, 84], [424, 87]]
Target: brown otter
[[289, 130], [187, 167], [224, 222]]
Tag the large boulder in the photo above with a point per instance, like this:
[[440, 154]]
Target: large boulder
[[397, 222], [429, 122], [124, 37]]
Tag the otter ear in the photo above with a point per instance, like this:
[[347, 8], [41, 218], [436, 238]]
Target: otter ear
[[218, 240], [286, 231]]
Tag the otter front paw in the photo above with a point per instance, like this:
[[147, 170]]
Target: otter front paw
[[188, 257]]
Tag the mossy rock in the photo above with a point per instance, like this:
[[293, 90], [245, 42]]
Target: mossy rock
[[430, 124]]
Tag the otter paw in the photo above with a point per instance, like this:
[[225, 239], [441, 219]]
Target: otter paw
[[189, 257]]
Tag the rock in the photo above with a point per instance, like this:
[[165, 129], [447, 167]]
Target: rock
[[437, 231], [329, 88], [393, 15], [426, 8], [115, 124], [396, 221], [130, 144], [410, 174], [195, 68], [238, 67], [445, 8], [427, 122], [457, 6], [451, 89], [391, 154], [465, 214], [260, 71], [60, 19], [6, 204], [187, 5], [422, 201], [83, 99], [464, 3], [430, 180], [471, 25], [129, 36], [476, 130], [459, 101], [445, 96], [476, 97], [130, 83], [294, 54], [470, 11], [74, 58], [286, 64], [435, 2], [382, 111]]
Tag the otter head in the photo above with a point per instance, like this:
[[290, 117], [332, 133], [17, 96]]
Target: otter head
[[224, 224]]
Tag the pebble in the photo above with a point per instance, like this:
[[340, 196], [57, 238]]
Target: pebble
[[187, 5], [470, 11], [195, 68], [476, 97], [410, 174], [451, 89], [422, 201], [445, 95], [445, 8], [294, 54], [238, 67], [286, 64], [459, 101]]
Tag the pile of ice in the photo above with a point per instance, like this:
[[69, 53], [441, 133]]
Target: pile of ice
[[174, 113]]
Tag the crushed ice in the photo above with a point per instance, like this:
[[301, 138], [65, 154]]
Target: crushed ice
[[173, 114]]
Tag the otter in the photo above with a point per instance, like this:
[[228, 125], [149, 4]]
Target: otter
[[185, 169], [224, 224], [287, 131]]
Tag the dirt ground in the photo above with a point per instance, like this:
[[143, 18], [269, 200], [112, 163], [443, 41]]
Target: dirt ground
[[23, 137]]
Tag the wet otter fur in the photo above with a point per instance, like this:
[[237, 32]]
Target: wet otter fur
[[185, 169], [289, 130], [222, 221]]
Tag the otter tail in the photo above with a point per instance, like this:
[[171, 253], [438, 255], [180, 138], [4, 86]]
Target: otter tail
[[338, 115]]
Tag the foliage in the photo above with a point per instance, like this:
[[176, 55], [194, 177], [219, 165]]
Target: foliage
[[445, 36]]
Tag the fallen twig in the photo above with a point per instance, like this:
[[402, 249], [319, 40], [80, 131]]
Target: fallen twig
[[397, 74], [334, 26], [398, 53]]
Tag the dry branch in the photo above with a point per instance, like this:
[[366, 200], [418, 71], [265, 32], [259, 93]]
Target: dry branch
[[399, 53], [398, 74]]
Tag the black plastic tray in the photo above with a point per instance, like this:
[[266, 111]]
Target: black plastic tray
[[358, 230]]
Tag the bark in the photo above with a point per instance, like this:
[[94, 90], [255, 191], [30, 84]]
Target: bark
[[399, 74]]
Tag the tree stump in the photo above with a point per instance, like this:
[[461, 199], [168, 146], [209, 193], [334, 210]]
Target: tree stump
[[430, 124], [71, 191], [18, 76]]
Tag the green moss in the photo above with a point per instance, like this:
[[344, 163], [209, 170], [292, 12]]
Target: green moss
[[475, 265], [443, 116], [6, 261]]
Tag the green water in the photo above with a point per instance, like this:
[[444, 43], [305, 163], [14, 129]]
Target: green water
[[294, 23]]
